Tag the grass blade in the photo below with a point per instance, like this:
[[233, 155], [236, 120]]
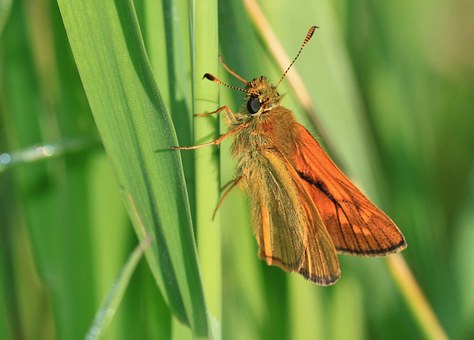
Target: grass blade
[[137, 133], [111, 302]]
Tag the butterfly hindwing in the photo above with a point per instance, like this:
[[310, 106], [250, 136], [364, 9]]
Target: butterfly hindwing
[[288, 227]]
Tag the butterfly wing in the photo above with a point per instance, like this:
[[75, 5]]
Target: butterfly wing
[[289, 230], [355, 224]]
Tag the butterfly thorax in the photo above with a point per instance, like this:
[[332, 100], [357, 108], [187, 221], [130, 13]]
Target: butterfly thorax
[[272, 131]]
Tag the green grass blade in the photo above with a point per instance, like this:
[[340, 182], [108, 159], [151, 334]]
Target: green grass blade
[[137, 133], [205, 95], [111, 302]]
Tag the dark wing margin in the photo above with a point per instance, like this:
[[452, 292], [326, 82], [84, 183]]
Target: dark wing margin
[[355, 224]]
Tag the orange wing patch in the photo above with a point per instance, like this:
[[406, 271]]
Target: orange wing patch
[[355, 224]]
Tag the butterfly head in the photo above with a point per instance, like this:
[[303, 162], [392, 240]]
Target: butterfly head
[[261, 96]]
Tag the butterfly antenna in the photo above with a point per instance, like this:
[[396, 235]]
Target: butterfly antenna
[[217, 80], [308, 37]]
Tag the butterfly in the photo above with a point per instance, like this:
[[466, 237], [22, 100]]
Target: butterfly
[[304, 209]]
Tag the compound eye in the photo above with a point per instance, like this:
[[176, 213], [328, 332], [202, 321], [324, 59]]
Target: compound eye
[[253, 105]]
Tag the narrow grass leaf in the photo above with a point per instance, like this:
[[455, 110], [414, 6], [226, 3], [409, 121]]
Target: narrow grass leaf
[[112, 301]]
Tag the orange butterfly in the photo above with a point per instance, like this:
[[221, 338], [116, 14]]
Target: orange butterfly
[[304, 209]]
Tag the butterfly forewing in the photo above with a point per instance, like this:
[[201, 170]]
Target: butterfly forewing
[[355, 224]]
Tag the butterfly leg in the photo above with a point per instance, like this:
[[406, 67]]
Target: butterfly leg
[[225, 108], [214, 142], [232, 184]]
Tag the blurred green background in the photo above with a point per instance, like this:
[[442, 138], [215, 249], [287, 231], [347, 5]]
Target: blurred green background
[[393, 86]]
